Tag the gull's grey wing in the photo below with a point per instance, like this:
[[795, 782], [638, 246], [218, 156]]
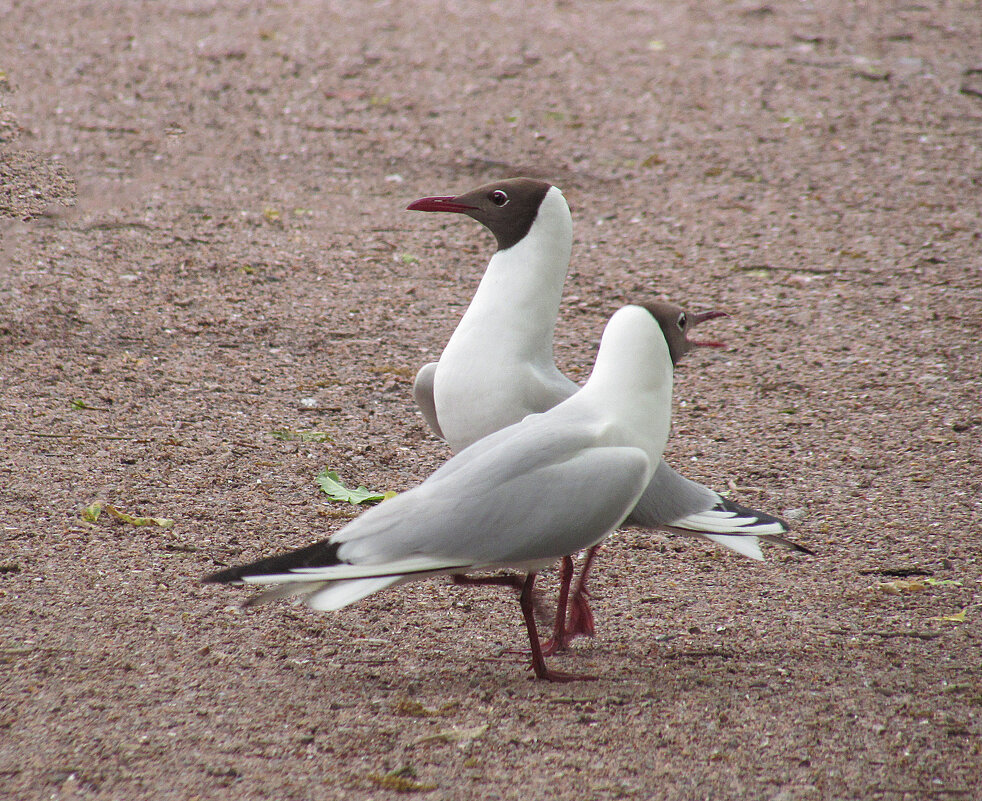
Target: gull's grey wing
[[678, 504], [521, 501], [423, 393], [670, 497], [550, 491], [523, 497]]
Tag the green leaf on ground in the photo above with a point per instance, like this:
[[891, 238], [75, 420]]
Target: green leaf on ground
[[91, 512], [78, 403], [123, 517], [330, 482]]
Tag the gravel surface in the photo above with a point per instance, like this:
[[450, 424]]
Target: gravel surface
[[204, 242]]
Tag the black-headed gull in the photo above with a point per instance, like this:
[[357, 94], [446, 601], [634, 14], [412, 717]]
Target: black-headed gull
[[499, 367], [523, 497]]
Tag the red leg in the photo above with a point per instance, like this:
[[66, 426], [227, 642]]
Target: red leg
[[538, 663], [580, 617], [559, 641], [502, 580]]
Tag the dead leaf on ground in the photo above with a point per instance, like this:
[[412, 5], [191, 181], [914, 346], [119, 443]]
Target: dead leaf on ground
[[123, 517], [958, 617], [900, 586], [462, 737], [402, 781]]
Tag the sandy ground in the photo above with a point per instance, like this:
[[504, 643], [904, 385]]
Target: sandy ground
[[203, 242]]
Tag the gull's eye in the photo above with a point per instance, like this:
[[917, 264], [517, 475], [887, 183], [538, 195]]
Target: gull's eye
[[682, 321], [498, 197]]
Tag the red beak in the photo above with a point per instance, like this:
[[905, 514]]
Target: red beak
[[701, 317], [439, 204]]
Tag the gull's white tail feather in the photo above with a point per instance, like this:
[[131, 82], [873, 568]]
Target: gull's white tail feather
[[740, 543], [339, 594]]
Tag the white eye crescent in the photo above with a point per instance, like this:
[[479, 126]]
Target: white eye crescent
[[682, 321], [498, 197]]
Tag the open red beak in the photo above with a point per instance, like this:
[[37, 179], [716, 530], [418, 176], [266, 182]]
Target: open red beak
[[701, 317], [439, 204]]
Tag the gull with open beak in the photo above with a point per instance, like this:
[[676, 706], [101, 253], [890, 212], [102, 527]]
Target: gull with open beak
[[498, 367]]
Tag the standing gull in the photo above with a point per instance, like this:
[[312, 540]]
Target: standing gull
[[499, 367], [523, 497]]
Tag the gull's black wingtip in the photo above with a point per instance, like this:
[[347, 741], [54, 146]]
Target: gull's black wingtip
[[320, 554], [786, 543], [745, 511], [763, 517], [227, 576]]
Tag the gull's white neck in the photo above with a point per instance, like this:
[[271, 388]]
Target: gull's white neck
[[631, 382], [515, 307]]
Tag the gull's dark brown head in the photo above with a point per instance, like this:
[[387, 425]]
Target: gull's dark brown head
[[506, 208], [676, 323]]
